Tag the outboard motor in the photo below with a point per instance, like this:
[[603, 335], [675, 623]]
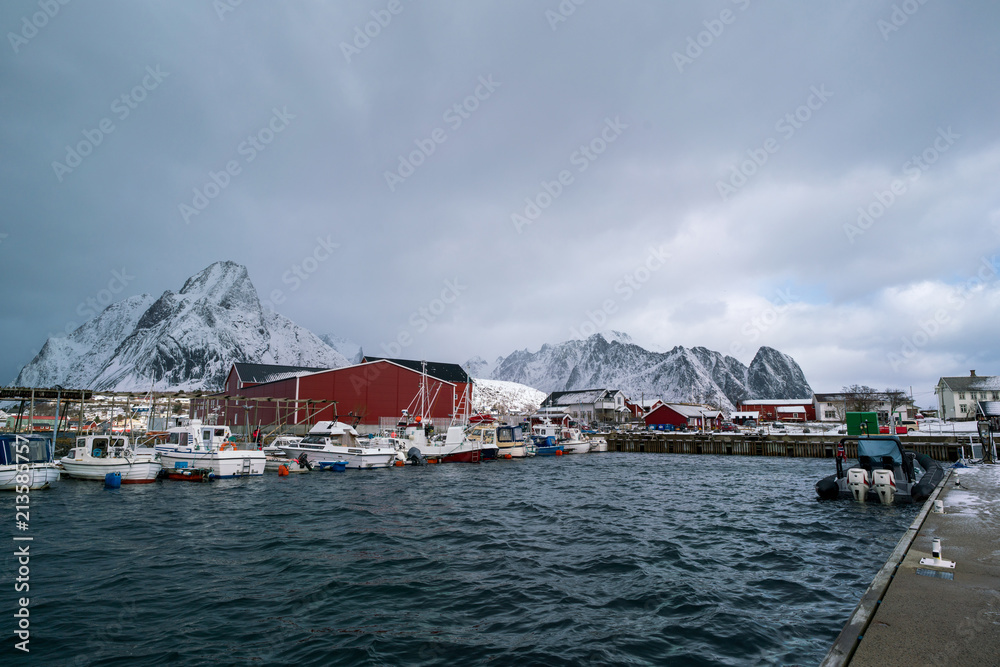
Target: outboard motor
[[885, 486], [858, 484], [415, 457], [303, 461]]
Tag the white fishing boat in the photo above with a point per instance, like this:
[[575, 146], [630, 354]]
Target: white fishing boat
[[456, 447], [331, 441], [97, 455], [26, 462], [210, 447]]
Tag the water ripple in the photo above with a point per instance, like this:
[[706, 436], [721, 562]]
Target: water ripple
[[611, 558]]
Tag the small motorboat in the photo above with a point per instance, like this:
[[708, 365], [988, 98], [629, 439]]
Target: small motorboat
[[276, 456], [546, 445], [885, 473], [95, 456], [336, 441], [26, 462], [201, 446]]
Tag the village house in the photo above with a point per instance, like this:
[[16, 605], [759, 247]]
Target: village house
[[686, 415], [590, 405], [957, 396]]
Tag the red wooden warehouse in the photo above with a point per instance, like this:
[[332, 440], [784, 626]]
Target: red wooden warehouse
[[782, 409], [375, 391]]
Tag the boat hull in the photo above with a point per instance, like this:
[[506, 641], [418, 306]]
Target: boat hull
[[465, 452], [515, 452], [578, 447], [137, 472], [225, 463], [40, 476], [361, 458]]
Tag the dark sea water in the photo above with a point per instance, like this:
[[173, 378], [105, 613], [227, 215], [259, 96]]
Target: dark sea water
[[630, 559]]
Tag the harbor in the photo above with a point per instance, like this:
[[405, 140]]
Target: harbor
[[821, 446]]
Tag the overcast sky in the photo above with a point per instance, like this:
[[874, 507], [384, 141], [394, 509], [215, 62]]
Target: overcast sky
[[822, 178]]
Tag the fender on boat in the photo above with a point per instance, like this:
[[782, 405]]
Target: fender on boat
[[933, 474]]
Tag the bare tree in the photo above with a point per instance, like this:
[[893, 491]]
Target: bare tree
[[861, 398]]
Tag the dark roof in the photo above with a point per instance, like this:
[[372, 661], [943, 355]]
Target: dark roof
[[576, 397], [435, 369], [973, 382], [830, 398], [261, 373]]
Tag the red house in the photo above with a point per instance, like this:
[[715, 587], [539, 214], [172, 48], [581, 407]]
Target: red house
[[683, 414], [783, 409]]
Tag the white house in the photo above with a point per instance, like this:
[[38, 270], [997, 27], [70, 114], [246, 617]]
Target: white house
[[587, 405], [957, 396], [833, 408]]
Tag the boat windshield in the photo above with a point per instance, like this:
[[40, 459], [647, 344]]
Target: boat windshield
[[314, 440], [177, 438], [876, 449], [39, 450]]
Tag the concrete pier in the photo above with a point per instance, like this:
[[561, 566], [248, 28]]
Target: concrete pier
[[930, 613], [938, 447]]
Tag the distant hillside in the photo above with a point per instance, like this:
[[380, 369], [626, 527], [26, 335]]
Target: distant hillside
[[681, 374]]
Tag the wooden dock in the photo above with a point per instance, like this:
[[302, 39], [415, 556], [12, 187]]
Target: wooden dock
[[821, 446]]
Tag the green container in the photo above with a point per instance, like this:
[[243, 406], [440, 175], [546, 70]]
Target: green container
[[862, 423]]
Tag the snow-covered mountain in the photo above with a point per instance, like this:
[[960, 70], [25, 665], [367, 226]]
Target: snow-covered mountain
[[182, 340], [681, 374], [505, 397]]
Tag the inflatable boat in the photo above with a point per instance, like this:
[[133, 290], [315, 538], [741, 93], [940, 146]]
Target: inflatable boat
[[885, 473]]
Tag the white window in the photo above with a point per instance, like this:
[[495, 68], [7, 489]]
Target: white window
[[996, 396], [961, 396], [963, 408], [830, 414]]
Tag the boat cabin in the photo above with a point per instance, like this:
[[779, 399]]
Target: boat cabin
[[199, 437], [99, 447]]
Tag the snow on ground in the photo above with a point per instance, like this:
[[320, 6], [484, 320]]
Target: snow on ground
[[505, 397]]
